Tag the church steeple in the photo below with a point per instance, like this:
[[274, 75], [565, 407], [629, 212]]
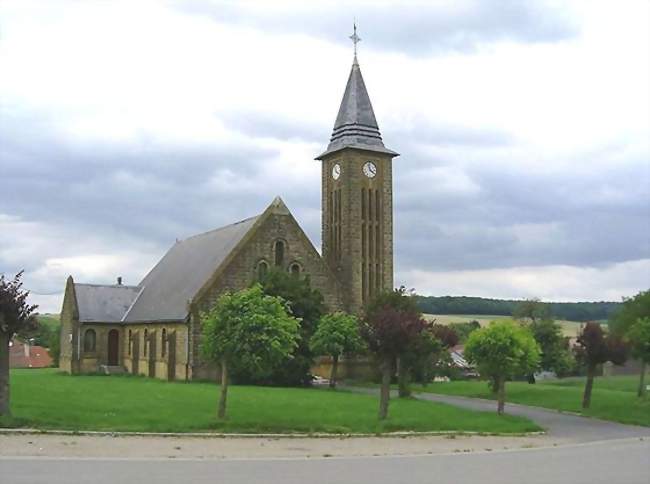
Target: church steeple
[[357, 197], [356, 125]]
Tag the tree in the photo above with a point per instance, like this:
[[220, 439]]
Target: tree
[[390, 326], [554, 347], [630, 311], [622, 322], [336, 334], [307, 306], [16, 317], [500, 351], [247, 330], [639, 338], [532, 309], [594, 348]]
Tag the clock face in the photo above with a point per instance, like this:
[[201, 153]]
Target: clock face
[[336, 171], [369, 169]]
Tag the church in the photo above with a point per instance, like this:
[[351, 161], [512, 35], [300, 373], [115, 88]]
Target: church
[[154, 328]]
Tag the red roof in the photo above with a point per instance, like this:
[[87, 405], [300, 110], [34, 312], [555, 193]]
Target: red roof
[[22, 355]]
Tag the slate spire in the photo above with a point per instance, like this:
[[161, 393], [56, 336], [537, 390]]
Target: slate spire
[[356, 125]]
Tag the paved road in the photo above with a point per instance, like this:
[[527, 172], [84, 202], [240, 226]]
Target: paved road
[[611, 462], [560, 425]]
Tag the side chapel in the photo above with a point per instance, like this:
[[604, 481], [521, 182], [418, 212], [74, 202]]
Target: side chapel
[[154, 328]]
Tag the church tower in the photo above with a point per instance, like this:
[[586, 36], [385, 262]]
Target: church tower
[[357, 198]]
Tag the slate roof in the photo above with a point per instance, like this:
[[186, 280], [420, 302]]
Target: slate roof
[[356, 125], [104, 303], [182, 272]]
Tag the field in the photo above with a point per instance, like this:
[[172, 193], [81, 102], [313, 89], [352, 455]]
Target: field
[[47, 399], [569, 328], [614, 398]]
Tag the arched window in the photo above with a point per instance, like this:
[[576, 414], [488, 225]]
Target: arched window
[[90, 340], [146, 342], [279, 253], [262, 269], [163, 342], [294, 269]]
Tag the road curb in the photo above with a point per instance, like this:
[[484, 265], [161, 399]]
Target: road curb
[[214, 435]]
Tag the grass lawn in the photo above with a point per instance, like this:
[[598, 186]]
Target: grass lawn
[[47, 399], [613, 398]]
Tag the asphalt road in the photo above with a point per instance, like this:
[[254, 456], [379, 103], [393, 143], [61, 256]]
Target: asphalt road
[[563, 426], [609, 462]]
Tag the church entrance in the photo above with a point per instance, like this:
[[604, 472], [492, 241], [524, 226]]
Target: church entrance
[[113, 347]]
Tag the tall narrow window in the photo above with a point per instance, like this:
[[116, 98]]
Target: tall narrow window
[[295, 269], [279, 253], [377, 206], [378, 278], [363, 204], [370, 205], [363, 241], [371, 286], [363, 282], [163, 343], [90, 340], [146, 341], [130, 342], [262, 270], [371, 250], [377, 244]]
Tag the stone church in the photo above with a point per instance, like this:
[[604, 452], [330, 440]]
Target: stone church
[[154, 328]]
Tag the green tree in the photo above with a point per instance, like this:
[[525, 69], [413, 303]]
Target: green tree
[[554, 347], [633, 309], [248, 330], [629, 312], [639, 337], [594, 348], [391, 325], [16, 317], [307, 306], [500, 351], [532, 309], [337, 334]]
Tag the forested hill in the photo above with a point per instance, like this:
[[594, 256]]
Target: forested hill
[[580, 311]]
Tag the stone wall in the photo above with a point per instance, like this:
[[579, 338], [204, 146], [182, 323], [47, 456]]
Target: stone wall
[[357, 248], [151, 356], [243, 270], [69, 329]]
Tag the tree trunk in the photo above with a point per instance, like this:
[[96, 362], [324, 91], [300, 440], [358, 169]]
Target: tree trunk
[[4, 374], [384, 394], [501, 395], [531, 378], [335, 367], [221, 413], [404, 389], [642, 390], [586, 398]]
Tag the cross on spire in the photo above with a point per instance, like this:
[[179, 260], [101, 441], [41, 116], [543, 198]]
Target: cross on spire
[[355, 40]]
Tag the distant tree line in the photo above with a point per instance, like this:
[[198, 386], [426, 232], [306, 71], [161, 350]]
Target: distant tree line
[[580, 311]]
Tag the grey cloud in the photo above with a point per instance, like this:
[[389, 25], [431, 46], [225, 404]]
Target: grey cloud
[[415, 28]]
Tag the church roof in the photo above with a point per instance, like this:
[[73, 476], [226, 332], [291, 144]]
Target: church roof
[[103, 303], [183, 271], [356, 125]]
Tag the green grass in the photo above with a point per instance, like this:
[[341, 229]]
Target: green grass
[[614, 398], [46, 399]]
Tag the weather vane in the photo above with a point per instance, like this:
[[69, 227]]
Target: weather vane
[[355, 38]]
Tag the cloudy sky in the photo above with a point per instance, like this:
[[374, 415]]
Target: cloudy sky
[[523, 127]]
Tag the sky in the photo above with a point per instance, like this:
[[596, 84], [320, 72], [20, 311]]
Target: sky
[[523, 128]]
